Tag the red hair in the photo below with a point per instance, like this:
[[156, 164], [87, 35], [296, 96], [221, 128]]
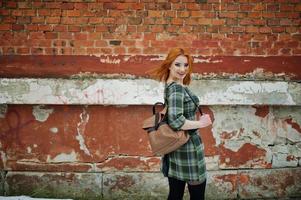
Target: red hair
[[161, 73]]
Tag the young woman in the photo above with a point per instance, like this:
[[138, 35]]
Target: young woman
[[186, 164]]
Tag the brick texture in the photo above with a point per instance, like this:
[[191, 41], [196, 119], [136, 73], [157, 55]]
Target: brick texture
[[264, 28]]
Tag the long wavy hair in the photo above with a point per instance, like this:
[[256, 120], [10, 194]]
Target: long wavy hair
[[161, 73]]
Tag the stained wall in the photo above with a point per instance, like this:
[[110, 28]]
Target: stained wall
[[74, 92]]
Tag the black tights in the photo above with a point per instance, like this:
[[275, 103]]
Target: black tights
[[177, 187]]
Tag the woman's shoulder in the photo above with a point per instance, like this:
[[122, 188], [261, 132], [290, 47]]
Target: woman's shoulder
[[175, 87]]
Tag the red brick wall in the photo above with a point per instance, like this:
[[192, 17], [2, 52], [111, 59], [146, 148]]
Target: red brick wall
[[218, 27]]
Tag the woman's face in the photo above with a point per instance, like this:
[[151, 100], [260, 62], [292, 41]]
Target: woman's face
[[179, 68]]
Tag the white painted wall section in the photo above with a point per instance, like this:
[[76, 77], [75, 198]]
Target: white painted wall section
[[144, 92]]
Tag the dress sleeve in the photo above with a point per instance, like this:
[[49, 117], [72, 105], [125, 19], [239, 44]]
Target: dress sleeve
[[175, 103]]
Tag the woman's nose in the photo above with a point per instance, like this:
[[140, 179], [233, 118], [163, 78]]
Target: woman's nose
[[182, 68]]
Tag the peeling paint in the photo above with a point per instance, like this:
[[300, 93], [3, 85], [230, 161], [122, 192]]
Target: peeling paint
[[133, 59], [226, 122], [124, 181], [244, 179], [295, 90], [212, 162], [261, 111], [231, 178], [247, 156], [40, 113], [54, 130], [89, 75], [280, 91], [291, 118], [266, 131], [233, 127], [31, 161], [4, 159], [63, 157], [244, 92], [3, 110], [253, 87], [158, 58], [257, 74], [285, 155], [208, 60], [222, 185], [294, 125], [63, 66], [81, 126], [14, 89], [28, 149], [134, 186], [129, 163], [298, 150], [271, 184], [110, 60], [147, 92]]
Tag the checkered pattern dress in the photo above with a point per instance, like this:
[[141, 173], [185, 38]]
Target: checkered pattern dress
[[187, 163]]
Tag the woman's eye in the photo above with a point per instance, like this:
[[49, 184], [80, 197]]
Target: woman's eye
[[177, 64], [186, 65]]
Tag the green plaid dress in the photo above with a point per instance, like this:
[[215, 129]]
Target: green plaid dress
[[187, 163]]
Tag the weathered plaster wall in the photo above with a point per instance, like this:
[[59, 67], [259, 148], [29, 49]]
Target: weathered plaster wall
[[96, 138], [80, 140], [72, 77], [76, 132], [145, 92], [135, 66], [249, 141]]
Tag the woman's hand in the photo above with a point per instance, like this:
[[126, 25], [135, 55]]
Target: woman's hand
[[195, 124], [205, 120]]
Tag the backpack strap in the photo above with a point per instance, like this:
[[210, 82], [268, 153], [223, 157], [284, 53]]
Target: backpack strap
[[199, 108]]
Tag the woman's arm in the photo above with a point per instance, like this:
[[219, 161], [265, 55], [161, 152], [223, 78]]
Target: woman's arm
[[175, 103], [176, 119], [201, 123]]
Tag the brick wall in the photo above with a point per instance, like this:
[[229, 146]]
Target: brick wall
[[72, 77], [218, 27]]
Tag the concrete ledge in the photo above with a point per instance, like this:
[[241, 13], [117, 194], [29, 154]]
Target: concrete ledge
[[2, 180], [266, 184], [144, 92], [26, 198], [221, 184], [54, 185]]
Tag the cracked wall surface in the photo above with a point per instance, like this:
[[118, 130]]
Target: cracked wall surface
[[75, 88], [96, 138], [264, 138], [82, 130], [145, 92], [230, 184]]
